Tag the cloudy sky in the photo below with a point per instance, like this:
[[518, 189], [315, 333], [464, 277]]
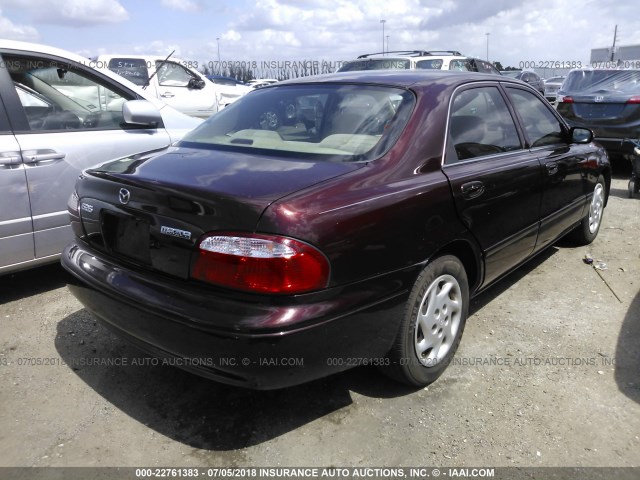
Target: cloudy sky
[[267, 30]]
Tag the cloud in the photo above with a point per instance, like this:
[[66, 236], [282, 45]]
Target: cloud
[[460, 13], [183, 5], [12, 31], [157, 47], [76, 13]]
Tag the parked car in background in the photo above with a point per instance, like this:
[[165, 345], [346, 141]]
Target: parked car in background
[[532, 78], [418, 60], [607, 102], [333, 221], [172, 80], [551, 87], [230, 89], [59, 116]]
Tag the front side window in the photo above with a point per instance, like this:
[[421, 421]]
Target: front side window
[[170, 74], [327, 122], [540, 125], [431, 64], [480, 124], [58, 96]]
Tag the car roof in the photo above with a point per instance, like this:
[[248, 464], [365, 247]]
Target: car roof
[[105, 56], [415, 53], [402, 78], [45, 49]]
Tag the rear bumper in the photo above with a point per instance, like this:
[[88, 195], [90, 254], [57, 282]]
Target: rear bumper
[[252, 342]]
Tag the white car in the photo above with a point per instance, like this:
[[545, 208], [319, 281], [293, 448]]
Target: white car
[[172, 80], [551, 87], [59, 116], [230, 88], [418, 60]]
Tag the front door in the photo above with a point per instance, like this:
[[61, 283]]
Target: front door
[[565, 184], [65, 118]]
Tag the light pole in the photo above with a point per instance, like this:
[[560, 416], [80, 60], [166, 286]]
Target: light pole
[[219, 64], [383, 22], [387, 43], [487, 34]]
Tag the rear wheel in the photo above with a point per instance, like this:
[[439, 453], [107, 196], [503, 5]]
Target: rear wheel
[[587, 231], [432, 327]]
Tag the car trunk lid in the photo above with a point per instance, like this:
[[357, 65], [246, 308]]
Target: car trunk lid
[[151, 210]]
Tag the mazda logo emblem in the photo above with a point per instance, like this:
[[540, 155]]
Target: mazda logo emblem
[[124, 196]]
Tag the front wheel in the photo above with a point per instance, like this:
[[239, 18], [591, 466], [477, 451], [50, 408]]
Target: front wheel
[[587, 231], [432, 326]]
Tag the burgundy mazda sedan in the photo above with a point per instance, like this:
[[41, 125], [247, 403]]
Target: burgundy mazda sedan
[[329, 222]]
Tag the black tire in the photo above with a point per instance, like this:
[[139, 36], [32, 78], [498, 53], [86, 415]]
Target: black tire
[[417, 365], [587, 231]]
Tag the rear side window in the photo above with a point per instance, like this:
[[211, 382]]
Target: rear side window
[[540, 125], [480, 124], [133, 69]]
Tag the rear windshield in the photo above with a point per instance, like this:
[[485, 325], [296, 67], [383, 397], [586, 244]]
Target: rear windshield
[[323, 121], [602, 81], [376, 64], [133, 69]]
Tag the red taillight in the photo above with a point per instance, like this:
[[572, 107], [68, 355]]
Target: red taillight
[[635, 99], [567, 100], [260, 263]]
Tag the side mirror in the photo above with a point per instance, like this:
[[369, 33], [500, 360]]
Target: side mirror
[[142, 113], [581, 135], [196, 83]]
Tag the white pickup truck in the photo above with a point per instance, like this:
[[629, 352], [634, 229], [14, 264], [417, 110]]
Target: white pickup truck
[[174, 81]]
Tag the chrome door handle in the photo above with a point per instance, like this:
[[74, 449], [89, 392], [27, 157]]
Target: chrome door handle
[[167, 95], [10, 159], [43, 156], [472, 189]]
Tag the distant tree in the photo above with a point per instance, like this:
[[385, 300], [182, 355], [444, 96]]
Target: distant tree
[[498, 65]]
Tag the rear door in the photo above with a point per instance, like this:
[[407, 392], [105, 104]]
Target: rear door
[[566, 183], [496, 182], [16, 232], [77, 124]]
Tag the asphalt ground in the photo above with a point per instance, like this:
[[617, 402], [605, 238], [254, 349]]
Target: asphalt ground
[[547, 374]]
